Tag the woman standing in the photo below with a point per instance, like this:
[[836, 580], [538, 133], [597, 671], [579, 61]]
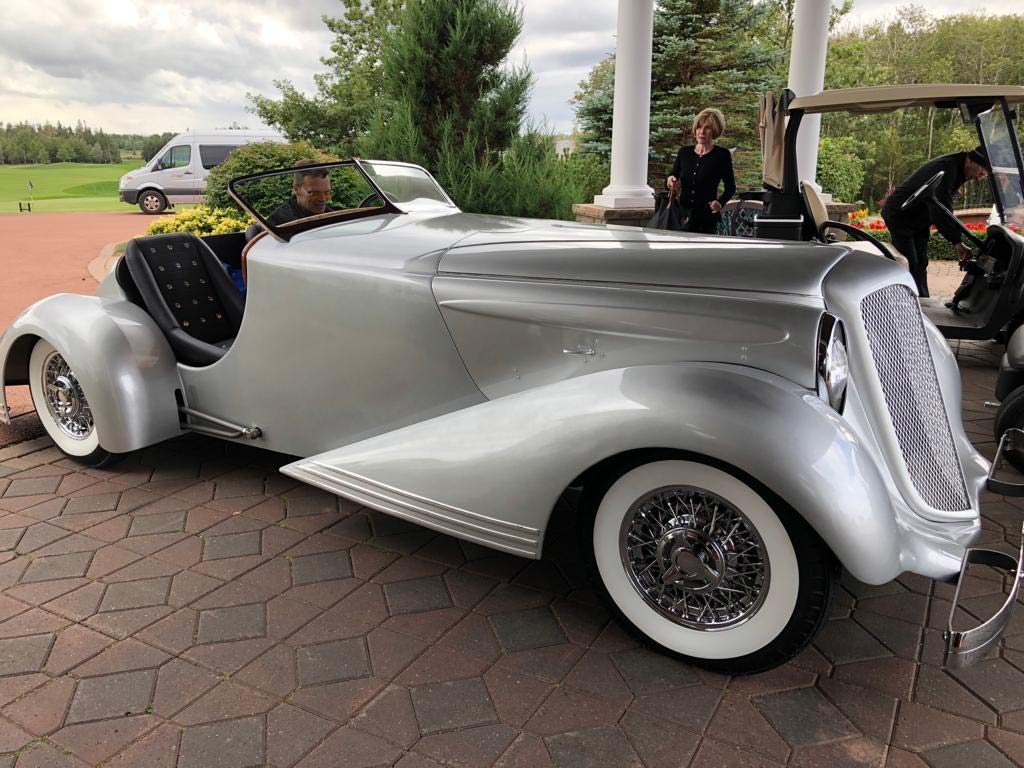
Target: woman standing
[[699, 169]]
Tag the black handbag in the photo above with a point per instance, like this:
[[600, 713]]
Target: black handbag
[[668, 213]]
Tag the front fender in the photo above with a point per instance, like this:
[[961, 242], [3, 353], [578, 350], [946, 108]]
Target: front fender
[[493, 472], [121, 358]]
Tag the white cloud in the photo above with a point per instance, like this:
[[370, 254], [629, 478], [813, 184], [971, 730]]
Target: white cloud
[[129, 65]]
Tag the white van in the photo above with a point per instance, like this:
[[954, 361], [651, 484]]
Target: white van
[[177, 173]]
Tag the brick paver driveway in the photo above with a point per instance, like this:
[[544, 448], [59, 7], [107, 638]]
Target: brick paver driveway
[[192, 607]]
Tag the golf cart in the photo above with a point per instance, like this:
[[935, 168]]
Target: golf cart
[[989, 304]]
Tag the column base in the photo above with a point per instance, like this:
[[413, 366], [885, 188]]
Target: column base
[[625, 201], [592, 213]]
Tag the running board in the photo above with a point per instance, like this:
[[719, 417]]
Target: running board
[[964, 648], [230, 430]]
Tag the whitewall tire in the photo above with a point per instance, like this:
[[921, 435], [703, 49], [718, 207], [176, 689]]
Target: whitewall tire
[[62, 406], [700, 564]]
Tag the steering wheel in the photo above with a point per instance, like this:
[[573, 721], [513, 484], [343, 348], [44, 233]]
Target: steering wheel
[[928, 190], [929, 187], [375, 196]]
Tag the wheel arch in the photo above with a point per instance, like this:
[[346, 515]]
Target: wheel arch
[[119, 356], [508, 461]]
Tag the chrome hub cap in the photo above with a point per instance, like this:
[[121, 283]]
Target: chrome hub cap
[[65, 400], [694, 558]]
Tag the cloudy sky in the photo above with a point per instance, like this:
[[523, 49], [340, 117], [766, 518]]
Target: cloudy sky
[[145, 67]]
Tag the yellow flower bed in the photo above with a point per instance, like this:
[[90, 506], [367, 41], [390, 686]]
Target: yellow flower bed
[[202, 220]]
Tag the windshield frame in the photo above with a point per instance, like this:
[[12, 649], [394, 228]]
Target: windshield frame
[[284, 233], [997, 191], [429, 175]]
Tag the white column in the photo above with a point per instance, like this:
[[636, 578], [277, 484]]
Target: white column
[[807, 75], [631, 118]]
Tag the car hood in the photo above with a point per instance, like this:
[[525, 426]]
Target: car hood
[[549, 250]]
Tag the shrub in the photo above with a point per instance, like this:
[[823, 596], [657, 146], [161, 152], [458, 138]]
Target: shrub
[[254, 158], [202, 220], [840, 169], [939, 248]]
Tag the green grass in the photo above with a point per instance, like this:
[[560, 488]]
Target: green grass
[[63, 186]]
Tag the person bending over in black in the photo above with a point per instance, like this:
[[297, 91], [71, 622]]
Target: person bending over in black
[[911, 227], [699, 169], [311, 195]]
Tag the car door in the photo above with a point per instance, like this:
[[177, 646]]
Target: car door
[[175, 173]]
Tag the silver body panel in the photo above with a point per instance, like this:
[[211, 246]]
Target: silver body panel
[[462, 370]]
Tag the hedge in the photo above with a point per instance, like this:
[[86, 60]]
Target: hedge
[[202, 220]]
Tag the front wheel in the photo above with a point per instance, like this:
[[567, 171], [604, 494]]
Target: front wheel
[[702, 566], [63, 408], [151, 201], [1011, 416]]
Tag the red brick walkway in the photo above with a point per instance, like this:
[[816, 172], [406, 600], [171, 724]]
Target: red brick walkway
[[193, 608], [46, 253]]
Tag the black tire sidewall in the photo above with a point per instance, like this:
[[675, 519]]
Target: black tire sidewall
[[159, 195], [1009, 416]]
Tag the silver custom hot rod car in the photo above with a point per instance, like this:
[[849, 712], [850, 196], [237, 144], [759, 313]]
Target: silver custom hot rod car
[[740, 415]]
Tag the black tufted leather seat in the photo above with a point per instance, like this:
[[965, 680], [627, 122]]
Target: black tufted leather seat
[[187, 293]]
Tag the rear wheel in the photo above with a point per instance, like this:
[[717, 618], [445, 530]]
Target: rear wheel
[[1010, 416], [63, 407], [151, 201], [699, 564]]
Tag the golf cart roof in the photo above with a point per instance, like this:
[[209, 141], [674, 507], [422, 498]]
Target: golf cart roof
[[885, 98]]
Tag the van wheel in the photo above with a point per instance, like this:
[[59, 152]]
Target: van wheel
[[152, 202], [63, 408], [703, 567]]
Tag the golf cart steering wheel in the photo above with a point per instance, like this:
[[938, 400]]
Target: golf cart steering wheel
[[929, 187], [928, 190]]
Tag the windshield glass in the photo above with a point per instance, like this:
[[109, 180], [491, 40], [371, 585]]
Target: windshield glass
[[406, 184], [287, 199], [996, 133]]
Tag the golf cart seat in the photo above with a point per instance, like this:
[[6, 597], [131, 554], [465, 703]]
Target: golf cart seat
[[818, 213], [188, 293]]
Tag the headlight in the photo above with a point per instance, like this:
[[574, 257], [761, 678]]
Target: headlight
[[124, 182], [833, 362]]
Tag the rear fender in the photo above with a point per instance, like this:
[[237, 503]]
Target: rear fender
[[492, 472], [118, 354]]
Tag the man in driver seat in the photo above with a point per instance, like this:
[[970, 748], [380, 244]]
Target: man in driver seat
[[311, 195], [910, 227]]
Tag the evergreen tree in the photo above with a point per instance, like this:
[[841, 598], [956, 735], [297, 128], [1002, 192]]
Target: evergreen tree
[[350, 89], [706, 53], [447, 92]]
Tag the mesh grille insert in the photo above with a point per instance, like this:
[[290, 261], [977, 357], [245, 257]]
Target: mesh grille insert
[[896, 336]]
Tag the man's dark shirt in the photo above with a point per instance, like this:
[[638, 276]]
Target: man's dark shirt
[[291, 210], [924, 212], [699, 176]]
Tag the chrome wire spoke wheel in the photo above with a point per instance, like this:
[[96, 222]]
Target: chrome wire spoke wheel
[[65, 399], [694, 558]]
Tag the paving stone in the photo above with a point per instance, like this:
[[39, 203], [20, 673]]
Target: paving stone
[[843, 640], [101, 502], [12, 738], [57, 567], [361, 750], [333, 662], [804, 716], [42, 711], [32, 486], [978, 754], [738, 722], [390, 716], [232, 545], [178, 684], [647, 672], [326, 566], [118, 695], [338, 701], [920, 728], [124, 656], [848, 753], [158, 749], [469, 747], [995, 682], [98, 741], [594, 746], [24, 654], [417, 595], [872, 713], [135, 594], [524, 630], [233, 744], [936, 688], [565, 710], [168, 522], [717, 753], [291, 733], [447, 706], [241, 622], [226, 701]]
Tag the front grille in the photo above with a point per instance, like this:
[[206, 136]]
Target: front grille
[[896, 336]]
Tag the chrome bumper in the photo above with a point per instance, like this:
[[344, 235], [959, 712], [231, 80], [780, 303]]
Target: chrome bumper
[[966, 647]]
